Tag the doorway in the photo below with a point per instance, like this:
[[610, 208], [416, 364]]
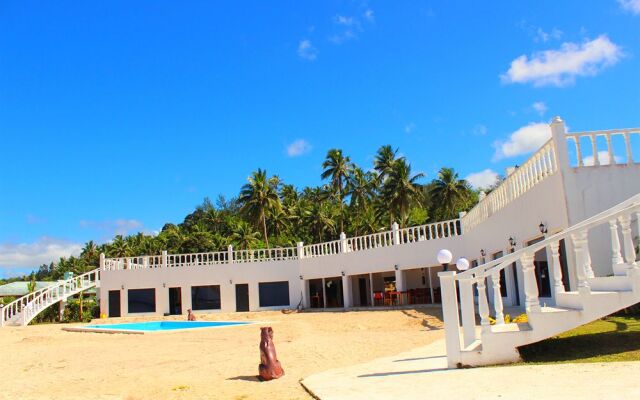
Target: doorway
[[364, 293], [114, 303], [242, 297], [175, 301]]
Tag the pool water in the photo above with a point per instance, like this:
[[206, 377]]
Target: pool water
[[155, 326]]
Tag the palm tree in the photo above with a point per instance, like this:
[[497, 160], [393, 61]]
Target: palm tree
[[119, 247], [401, 190], [318, 215], [448, 192], [361, 188], [243, 236], [259, 198], [337, 168], [90, 252], [383, 162]]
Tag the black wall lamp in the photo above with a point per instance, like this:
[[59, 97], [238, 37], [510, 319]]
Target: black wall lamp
[[543, 228]]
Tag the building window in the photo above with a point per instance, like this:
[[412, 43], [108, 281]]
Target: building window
[[274, 294], [142, 301], [205, 297]]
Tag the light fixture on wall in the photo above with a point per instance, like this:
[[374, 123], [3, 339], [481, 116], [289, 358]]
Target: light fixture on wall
[[343, 273], [543, 228], [230, 281], [164, 285], [301, 278], [396, 267], [483, 253], [122, 287], [512, 242], [444, 257]]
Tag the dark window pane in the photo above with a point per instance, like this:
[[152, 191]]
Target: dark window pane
[[205, 297], [142, 300], [273, 294]]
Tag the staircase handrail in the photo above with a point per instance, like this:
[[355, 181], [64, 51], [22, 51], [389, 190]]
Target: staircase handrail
[[492, 266], [11, 309]]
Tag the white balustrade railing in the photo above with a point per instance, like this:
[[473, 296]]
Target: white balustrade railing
[[623, 256], [604, 148], [24, 309], [540, 165], [395, 236]]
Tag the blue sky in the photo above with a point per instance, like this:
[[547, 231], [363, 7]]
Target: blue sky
[[120, 117]]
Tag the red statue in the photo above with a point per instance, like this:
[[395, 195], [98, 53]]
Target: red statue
[[269, 367]]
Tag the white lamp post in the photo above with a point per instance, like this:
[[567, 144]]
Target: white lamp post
[[444, 258], [462, 264]]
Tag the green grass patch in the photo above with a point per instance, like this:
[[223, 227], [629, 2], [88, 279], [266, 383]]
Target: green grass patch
[[614, 338]]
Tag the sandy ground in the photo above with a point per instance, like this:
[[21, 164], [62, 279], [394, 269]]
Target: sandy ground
[[44, 362]]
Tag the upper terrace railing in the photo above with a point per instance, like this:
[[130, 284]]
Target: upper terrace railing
[[603, 152], [551, 157], [395, 236], [540, 165]]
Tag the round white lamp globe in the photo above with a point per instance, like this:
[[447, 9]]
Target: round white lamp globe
[[462, 264], [444, 256]]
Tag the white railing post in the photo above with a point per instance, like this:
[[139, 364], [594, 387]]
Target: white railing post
[[450, 316], [1, 315], [617, 261], [558, 134], [102, 261], [556, 268], [627, 143], [164, 262], [230, 254], [483, 304], [467, 311], [300, 250], [396, 233], [497, 297], [579, 242], [343, 242], [627, 238], [532, 303]]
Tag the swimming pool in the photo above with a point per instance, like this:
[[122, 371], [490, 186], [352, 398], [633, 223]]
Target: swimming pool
[[154, 326]]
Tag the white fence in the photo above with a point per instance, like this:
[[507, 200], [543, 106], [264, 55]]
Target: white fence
[[603, 152]]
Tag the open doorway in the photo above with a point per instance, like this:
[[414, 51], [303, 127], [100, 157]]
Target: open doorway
[[175, 301], [242, 297]]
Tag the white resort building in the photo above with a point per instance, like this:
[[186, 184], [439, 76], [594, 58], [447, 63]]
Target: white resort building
[[557, 238]]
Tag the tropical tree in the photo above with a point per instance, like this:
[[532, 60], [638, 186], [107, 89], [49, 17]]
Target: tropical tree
[[360, 188], [244, 236], [384, 160], [448, 191], [119, 247], [90, 253], [259, 198], [401, 190], [337, 168]]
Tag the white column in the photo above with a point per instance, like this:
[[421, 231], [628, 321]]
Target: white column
[[101, 261], [230, 254], [450, 316], [594, 149], [627, 142], [305, 293], [371, 290], [530, 284], [1, 315], [400, 284], [346, 291], [467, 311], [324, 293], [343, 242], [558, 133], [300, 246], [497, 297]]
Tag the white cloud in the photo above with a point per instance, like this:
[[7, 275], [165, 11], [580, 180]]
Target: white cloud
[[561, 67], [410, 127], [345, 21], [307, 51], [524, 140], [348, 28], [369, 15], [119, 226], [298, 147], [542, 36], [44, 250], [482, 179], [539, 107], [603, 159], [633, 6]]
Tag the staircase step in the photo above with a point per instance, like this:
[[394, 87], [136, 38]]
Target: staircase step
[[503, 328]]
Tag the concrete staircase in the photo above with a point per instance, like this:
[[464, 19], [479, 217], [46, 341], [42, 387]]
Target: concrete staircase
[[595, 297]]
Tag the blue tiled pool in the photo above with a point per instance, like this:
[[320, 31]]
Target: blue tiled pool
[[158, 326]]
